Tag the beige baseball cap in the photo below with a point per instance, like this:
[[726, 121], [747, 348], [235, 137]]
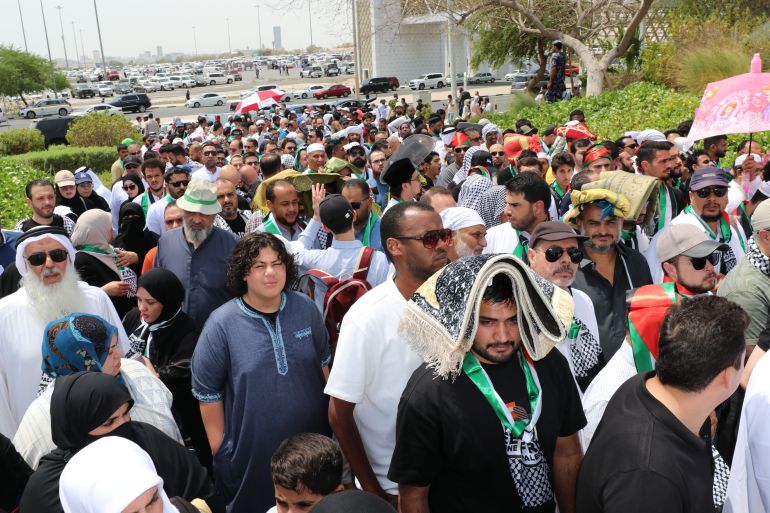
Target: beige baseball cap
[[64, 178], [760, 219], [687, 240]]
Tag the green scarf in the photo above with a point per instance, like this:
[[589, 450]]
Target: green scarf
[[368, 228], [724, 228]]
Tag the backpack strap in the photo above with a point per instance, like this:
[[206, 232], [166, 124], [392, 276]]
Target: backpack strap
[[364, 260]]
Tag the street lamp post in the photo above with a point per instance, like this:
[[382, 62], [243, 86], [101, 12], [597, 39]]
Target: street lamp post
[[101, 46], [23, 32], [229, 45], [83, 47], [259, 27], [195, 42], [310, 20], [75, 38], [45, 28], [64, 44]]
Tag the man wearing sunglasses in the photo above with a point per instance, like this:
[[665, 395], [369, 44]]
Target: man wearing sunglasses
[[50, 289], [458, 146], [708, 200], [367, 223], [210, 169], [554, 253], [373, 362], [176, 179]]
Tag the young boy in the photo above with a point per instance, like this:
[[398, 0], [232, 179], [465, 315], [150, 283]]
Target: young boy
[[305, 468]]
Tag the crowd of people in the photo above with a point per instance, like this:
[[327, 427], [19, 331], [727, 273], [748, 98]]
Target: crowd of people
[[366, 309]]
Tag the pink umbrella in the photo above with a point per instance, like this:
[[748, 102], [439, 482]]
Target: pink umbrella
[[735, 105], [260, 100]]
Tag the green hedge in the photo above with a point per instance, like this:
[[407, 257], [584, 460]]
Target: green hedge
[[21, 140], [13, 177], [609, 115], [66, 157]]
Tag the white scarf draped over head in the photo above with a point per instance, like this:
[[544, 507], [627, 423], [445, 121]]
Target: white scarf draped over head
[[92, 483]]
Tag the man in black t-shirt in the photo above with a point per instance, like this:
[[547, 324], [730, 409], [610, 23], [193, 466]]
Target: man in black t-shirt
[[652, 449], [502, 436], [231, 218], [41, 198]]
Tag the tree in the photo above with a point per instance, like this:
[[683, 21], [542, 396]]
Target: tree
[[579, 23], [23, 72]]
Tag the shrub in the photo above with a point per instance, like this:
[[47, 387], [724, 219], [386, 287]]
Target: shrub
[[21, 140], [698, 65], [98, 129], [612, 113], [66, 157], [13, 177], [520, 101]]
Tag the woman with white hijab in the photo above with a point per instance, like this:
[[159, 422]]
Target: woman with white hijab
[[89, 482]]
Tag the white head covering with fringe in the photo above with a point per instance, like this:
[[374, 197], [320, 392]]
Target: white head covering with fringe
[[441, 318]]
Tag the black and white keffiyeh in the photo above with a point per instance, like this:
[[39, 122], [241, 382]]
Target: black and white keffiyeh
[[757, 258], [492, 205], [441, 319]]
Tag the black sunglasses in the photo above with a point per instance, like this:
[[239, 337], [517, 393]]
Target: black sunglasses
[[357, 153], [431, 238], [355, 204], [180, 183], [554, 253], [39, 258], [209, 153], [498, 153], [129, 187], [698, 263], [460, 149], [718, 191]]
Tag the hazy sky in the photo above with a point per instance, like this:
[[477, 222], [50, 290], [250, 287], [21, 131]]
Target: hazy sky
[[132, 27]]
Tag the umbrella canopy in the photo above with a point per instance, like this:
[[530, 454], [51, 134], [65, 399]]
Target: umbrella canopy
[[260, 100], [735, 105]]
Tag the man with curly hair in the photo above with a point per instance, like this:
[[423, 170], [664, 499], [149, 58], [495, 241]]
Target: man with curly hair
[[259, 370]]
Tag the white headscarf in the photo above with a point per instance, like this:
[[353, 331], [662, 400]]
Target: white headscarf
[[90, 483], [457, 218], [489, 127], [21, 262]]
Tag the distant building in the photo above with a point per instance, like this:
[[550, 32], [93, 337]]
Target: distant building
[[97, 57], [159, 52], [277, 44]]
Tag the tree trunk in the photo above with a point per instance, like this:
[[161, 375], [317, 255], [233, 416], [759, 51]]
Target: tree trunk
[[596, 75], [21, 95]]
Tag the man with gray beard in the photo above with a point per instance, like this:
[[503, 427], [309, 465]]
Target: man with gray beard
[[554, 253], [608, 268], [50, 289], [197, 252]]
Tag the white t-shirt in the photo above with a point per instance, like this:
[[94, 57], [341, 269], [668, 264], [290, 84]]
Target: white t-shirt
[[371, 368], [204, 174]]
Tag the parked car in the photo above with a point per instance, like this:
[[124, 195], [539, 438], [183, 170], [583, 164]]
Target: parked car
[[481, 78], [518, 87], [237, 77], [3, 119], [201, 81], [519, 82], [105, 90], [429, 81], [123, 87], [136, 102], [571, 70], [311, 72], [337, 90], [48, 107], [112, 75], [83, 91], [354, 104], [206, 100], [145, 86], [459, 79], [308, 91], [331, 71], [375, 85], [101, 108], [219, 78], [54, 130], [186, 81]]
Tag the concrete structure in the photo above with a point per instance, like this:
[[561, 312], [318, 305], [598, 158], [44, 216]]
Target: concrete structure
[[277, 38], [406, 45], [159, 52]]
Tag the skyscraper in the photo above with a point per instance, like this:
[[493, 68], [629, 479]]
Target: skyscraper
[[277, 38]]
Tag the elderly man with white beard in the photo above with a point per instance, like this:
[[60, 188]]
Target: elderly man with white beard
[[468, 230], [50, 289], [554, 253]]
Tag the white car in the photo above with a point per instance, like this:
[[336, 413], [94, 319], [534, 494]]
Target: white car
[[312, 72], [101, 108], [206, 100], [219, 78], [162, 84], [186, 81], [105, 90], [428, 81], [308, 91], [145, 86]]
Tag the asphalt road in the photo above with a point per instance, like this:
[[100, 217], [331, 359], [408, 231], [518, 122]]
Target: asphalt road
[[170, 104]]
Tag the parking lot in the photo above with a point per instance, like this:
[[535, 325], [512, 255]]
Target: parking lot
[[170, 104]]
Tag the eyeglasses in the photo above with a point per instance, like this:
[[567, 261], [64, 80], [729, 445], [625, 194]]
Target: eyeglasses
[[632, 146], [209, 153], [39, 258], [498, 153], [460, 149], [431, 238], [476, 139], [130, 187], [554, 253], [378, 161], [291, 148], [134, 153], [698, 263], [180, 183], [357, 153], [355, 204], [718, 191]]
